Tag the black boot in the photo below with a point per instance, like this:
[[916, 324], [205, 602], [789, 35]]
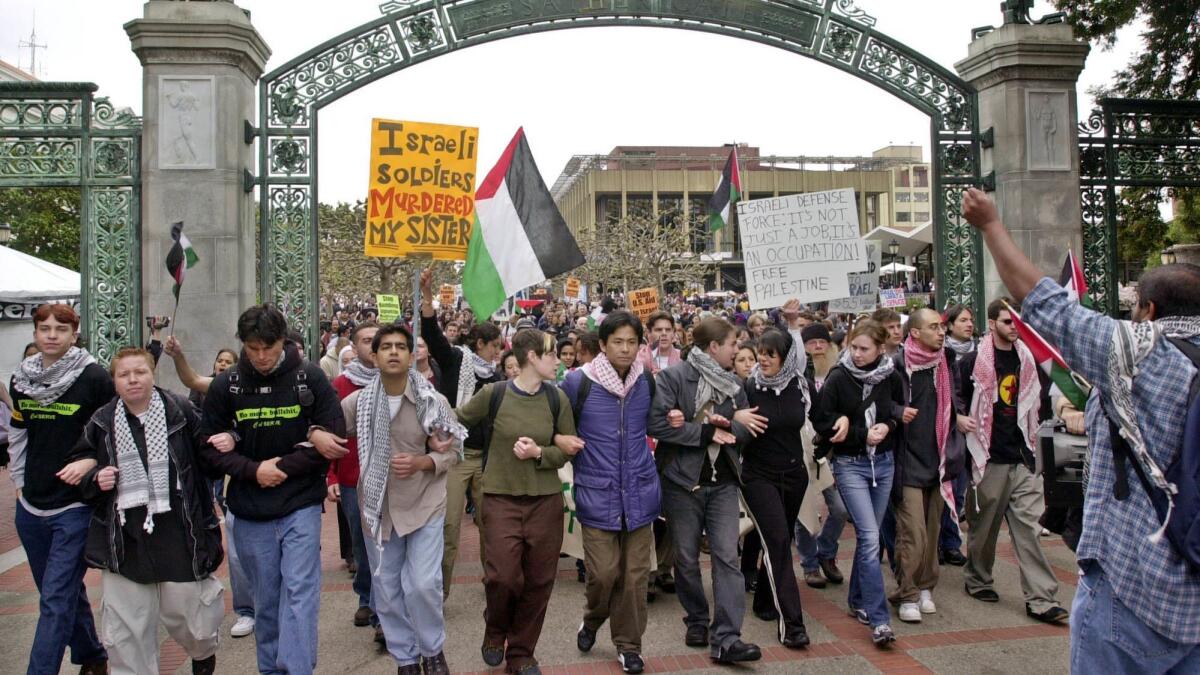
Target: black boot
[[204, 666]]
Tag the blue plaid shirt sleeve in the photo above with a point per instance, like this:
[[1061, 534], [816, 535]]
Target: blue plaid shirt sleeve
[[1082, 335]]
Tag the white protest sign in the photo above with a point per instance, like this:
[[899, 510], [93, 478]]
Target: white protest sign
[[864, 286], [800, 246]]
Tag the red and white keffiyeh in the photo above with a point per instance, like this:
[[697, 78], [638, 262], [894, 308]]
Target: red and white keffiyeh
[[917, 358], [601, 371], [987, 390]]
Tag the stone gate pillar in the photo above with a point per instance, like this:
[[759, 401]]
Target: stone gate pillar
[[1026, 77], [200, 67]]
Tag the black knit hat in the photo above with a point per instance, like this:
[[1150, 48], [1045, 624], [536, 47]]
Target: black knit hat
[[816, 331]]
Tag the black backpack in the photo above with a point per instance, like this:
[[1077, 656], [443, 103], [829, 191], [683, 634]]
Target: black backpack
[[1181, 521], [497, 397]]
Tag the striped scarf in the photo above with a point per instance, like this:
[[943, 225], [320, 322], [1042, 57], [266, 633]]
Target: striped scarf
[[134, 486], [473, 369]]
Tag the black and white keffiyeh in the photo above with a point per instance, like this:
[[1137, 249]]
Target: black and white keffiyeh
[[473, 369], [359, 373], [793, 366], [716, 384], [45, 385], [960, 347], [1133, 342], [135, 486], [868, 379], [373, 425]]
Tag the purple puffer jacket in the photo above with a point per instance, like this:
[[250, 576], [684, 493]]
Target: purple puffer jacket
[[616, 481]]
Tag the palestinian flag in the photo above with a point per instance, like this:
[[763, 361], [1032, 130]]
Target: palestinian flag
[[1051, 362], [728, 193], [1073, 280], [180, 258], [519, 238]]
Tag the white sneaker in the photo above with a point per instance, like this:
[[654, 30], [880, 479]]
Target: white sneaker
[[242, 627], [926, 603], [910, 612]]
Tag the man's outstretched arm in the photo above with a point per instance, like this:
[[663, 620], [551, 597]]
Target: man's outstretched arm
[[1017, 271]]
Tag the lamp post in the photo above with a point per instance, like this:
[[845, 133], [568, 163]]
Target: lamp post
[[893, 249], [5, 234]]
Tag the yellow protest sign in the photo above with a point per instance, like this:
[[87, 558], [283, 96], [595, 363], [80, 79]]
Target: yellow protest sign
[[644, 302], [389, 307], [572, 288], [421, 194], [447, 293]]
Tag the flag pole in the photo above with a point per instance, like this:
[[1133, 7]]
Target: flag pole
[[173, 315]]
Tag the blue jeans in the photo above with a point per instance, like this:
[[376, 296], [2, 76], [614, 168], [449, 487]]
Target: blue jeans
[[283, 557], [54, 546], [951, 537], [824, 546], [1106, 637], [691, 513], [239, 578], [362, 572], [408, 588], [866, 505]]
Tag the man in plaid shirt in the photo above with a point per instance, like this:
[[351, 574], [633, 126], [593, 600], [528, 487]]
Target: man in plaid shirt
[[1137, 608]]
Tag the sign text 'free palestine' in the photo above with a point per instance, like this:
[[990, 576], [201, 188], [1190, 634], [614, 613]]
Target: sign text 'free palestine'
[[800, 246]]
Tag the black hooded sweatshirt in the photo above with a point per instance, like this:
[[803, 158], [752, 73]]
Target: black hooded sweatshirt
[[268, 416]]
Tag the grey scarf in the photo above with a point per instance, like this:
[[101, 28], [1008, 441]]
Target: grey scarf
[[359, 373], [716, 384], [473, 369], [1133, 342], [960, 347], [134, 486], [868, 379], [374, 420], [793, 366], [45, 385]]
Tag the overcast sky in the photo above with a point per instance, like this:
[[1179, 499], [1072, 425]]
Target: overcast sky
[[579, 91]]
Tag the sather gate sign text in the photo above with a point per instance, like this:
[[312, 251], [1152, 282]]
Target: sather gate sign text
[[834, 32]]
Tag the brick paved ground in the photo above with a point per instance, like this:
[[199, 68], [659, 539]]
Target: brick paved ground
[[965, 636]]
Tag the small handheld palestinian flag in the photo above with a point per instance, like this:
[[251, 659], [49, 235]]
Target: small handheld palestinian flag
[[1075, 388], [180, 258], [1073, 280], [519, 238], [728, 193]]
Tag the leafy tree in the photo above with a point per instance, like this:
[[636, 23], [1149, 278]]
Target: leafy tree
[[640, 252], [345, 270], [45, 223], [1167, 67]]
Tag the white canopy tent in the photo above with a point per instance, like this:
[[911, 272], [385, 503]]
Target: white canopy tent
[[892, 268], [25, 283]]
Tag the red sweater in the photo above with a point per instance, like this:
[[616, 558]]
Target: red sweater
[[344, 471]]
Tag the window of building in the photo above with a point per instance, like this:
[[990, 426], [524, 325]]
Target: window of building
[[921, 217], [904, 197], [639, 206], [921, 177], [902, 178], [920, 196], [608, 209], [903, 217]]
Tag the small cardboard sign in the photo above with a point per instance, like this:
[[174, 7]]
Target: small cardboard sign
[[389, 307], [892, 297], [447, 295], [644, 302]]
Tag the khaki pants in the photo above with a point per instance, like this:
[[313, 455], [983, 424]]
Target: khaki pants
[[467, 474], [1009, 492], [918, 523], [618, 569], [191, 612]]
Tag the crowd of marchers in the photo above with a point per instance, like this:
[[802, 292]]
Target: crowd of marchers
[[699, 431]]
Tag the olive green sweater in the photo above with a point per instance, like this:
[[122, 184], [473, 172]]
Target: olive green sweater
[[520, 414]]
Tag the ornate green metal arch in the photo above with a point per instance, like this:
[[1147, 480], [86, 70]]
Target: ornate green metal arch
[[834, 32], [58, 134]]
